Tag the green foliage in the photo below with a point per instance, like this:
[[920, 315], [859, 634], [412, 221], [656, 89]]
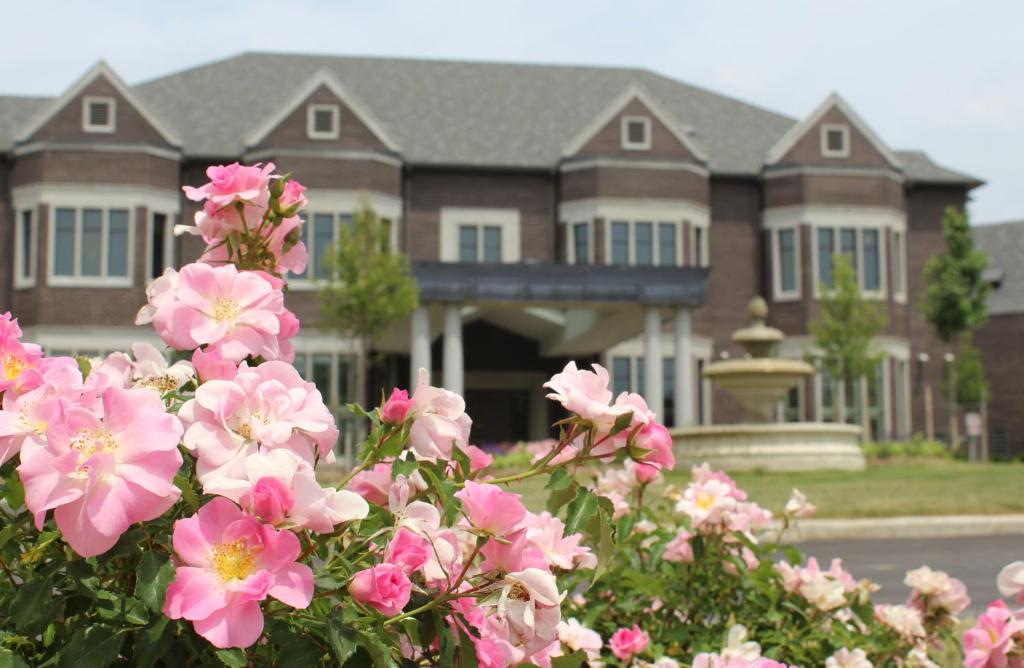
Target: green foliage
[[917, 447], [372, 285], [848, 323], [956, 299], [969, 368]]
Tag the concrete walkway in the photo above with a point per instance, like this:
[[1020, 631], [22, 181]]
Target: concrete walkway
[[940, 526]]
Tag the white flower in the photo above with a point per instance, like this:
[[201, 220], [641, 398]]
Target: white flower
[[824, 594], [797, 506], [528, 601], [903, 619], [737, 646], [918, 658], [575, 636], [844, 658]]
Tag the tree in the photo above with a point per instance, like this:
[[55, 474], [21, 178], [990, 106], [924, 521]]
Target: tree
[[971, 387], [956, 299], [844, 333]]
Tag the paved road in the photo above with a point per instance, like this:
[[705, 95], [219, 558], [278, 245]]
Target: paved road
[[975, 560]]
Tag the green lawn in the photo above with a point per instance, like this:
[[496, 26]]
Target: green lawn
[[917, 487]]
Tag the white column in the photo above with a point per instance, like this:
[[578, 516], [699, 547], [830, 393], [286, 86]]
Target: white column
[[652, 363], [684, 369], [419, 345], [454, 372]]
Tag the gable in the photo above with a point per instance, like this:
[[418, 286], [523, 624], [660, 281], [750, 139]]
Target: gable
[[603, 136], [802, 145], [353, 132], [62, 119]]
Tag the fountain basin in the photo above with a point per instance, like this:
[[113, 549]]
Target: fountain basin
[[788, 446], [758, 383]]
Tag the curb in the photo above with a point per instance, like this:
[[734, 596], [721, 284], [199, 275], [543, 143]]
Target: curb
[[881, 528]]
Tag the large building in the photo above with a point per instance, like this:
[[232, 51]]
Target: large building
[[551, 213]]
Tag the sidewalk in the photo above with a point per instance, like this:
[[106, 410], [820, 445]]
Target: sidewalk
[[881, 528]]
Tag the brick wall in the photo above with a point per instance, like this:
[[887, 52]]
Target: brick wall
[[998, 339]]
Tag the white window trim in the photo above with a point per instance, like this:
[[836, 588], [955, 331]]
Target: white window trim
[[655, 251], [570, 237], [631, 145], [87, 126], [778, 294], [77, 280], [883, 256], [705, 243], [20, 280], [168, 241], [900, 254], [831, 153], [311, 112], [507, 219]]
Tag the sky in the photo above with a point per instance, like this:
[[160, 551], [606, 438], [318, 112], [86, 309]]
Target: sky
[[945, 77]]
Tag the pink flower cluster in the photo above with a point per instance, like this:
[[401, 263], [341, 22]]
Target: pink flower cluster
[[935, 593], [997, 638], [248, 214], [825, 590], [231, 313]]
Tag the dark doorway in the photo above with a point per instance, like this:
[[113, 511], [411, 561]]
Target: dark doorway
[[499, 416]]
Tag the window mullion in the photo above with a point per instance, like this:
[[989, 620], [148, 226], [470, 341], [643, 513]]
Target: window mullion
[[104, 241], [77, 264]]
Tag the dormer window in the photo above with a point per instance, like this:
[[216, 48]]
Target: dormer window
[[636, 133], [322, 121], [835, 141], [98, 114]]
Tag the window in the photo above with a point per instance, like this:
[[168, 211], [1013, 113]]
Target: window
[[898, 267], [864, 249], [479, 243], [789, 406], [622, 375], [161, 240], [322, 121], [700, 246], [634, 243], [25, 250], [636, 133], [320, 231], [334, 375], [835, 141], [668, 375], [581, 243], [98, 114], [91, 243], [786, 257]]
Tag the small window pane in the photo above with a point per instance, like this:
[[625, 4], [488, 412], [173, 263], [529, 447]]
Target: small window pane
[[667, 244], [620, 243], [826, 254], [641, 379], [467, 243], [621, 371], [701, 397], [581, 239], [644, 244], [99, 113], [872, 269], [492, 244], [323, 241], [836, 140], [897, 262], [848, 246], [117, 243], [323, 120], [64, 243], [346, 379], [300, 363], [787, 260], [157, 245], [636, 131], [322, 375], [26, 245], [698, 242], [668, 377], [92, 242]]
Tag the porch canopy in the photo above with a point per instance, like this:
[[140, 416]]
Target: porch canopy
[[570, 310]]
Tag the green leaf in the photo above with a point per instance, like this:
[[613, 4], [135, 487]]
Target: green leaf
[[444, 489], [341, 639], [560, 497], [574, 660], [187, 493], [600, 531], [6, 534], [155, 573], [151, 643], [94, 647], [235, 658], [580, 511], [467, 650], [298, 653], [560, 479], [36, 606], [14, 491], [84, 365], [9, 659], [378, 650], [622, 423]]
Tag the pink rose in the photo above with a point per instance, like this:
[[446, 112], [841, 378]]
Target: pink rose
[[478, 459], [491, 509], [293, 195], [373, 484], [987, 644], [231, 561], [655, 438], [679, 548], [269, 499], [586, 394], [440, 421], [408, 550], [209, 365], [396, 407], [384, 587], [627, 642], [234, 183]]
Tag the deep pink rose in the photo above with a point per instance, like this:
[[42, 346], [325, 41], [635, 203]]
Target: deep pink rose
[[627, 642], [269, 499], [408, 550], [491, 509], [655, 438], [396, 407], [385, 587]]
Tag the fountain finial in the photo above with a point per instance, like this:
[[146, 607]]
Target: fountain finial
[[757, 339], [758, 310]]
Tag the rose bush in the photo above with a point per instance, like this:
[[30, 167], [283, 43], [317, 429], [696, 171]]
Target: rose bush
[[189, 527]]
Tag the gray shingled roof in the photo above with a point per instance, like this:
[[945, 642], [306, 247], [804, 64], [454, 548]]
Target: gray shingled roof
[[15, 112], [457, 112], [1004, 245]]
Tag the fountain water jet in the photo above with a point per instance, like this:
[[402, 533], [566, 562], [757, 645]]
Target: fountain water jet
[[758, 381]]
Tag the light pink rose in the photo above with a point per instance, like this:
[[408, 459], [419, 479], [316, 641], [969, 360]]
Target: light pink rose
[[797, 506], [586, 394], [100, 472], [17, 359], [440, 421], [231, 561], [408, 550], [547, 533], [627, 642], [478, 459], [209, 365], [577, 637], [27, 415], [373, 484], [1011, 581], [679, 548], [293, 196], [234, 183], [991, 639], [655, 438], [531, 616], [384, 587], [903, 619], [491, 509], [396, 407]]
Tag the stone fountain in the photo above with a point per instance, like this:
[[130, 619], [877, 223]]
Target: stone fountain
[[758, 381]]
